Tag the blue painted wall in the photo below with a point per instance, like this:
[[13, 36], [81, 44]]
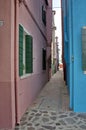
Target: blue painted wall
[[74, 20], [68, 45]]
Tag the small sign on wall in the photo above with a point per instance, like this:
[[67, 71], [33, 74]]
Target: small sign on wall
[[1, 23]]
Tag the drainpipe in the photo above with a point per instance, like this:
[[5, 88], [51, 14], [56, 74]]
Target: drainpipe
[[72, 88], [15, 39]]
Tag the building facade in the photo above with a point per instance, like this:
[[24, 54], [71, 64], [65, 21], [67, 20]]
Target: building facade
[[54, 45], [24, 55], [74, 28]]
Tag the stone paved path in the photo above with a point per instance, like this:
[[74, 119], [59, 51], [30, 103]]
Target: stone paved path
[[50, 110]]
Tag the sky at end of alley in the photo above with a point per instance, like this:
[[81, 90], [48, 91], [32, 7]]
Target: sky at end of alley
[[57, 18], [57, 3]]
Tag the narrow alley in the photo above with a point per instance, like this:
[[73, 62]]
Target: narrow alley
[[50, 111], [43, 38]]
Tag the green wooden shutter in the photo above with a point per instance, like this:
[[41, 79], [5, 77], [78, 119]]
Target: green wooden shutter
[[29, 54], [20, 50]]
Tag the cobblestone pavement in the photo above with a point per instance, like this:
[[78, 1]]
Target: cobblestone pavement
[[50, 110]]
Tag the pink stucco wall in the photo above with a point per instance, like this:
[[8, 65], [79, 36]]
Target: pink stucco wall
[[7, 94], [49, 22], [28, 89], [16, 93], [36, 9]]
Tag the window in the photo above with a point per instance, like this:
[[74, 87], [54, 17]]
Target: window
[[25, 52], [44, 15], [44, 59]]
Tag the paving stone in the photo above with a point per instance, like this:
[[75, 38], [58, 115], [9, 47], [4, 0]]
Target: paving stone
[[37, 124], [83, 116], [76, 118], [30, 128], [68, 126], [62, 116], [60, 128], [69, 120], [17, 128], [83, 127], [46, 115], [23, 123], [51, 123], [44, 111], [58, 123], [35, 119], [30, 117], [32, 114], [24, 118], [79, 123], [29, 124], [71, 129], [84, 120], [53, 113], [40, 129], [75, 126], [26, 112], [61, 112], [23, 128], [34, 111], [62, 122], [38, 114], [53, 118], [49, 127], [45, 119], [72, 114]]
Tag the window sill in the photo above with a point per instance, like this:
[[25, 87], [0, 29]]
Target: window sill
[[26, 75]]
